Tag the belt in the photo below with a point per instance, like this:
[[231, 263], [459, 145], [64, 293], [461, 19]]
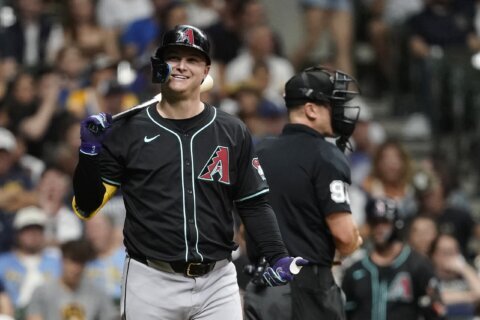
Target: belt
[[188, 269]]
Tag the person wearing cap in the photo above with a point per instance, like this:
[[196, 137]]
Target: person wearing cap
[[16, 187], [183, 167], [392, 281], [309, 179], [71, 296], [28, 265]]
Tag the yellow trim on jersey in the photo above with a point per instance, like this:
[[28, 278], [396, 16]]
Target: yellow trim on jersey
[[109, 192]]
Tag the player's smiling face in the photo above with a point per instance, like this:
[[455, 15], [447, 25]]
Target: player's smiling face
[[189, 68]]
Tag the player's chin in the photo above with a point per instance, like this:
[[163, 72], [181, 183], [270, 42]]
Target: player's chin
[[183, 86]]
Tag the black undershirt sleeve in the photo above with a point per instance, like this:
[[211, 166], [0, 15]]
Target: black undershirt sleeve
[[262, 228], [87, 184]]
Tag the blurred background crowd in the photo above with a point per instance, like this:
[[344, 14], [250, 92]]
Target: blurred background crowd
[[417, 139]]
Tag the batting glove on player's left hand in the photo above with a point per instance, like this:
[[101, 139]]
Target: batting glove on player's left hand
[[283, 271], [93, 130]]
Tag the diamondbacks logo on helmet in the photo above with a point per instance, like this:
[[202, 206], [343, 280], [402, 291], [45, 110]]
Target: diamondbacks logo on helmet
[[217, 165], [186, 36], [258, 167]]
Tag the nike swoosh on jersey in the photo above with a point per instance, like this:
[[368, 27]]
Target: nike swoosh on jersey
[[147, 139]]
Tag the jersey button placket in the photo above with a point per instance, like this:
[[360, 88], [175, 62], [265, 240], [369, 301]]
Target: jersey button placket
[[189, 201]]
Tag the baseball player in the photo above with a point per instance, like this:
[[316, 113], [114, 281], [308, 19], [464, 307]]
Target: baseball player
[[308, 179], [393, 281], [182, 165]]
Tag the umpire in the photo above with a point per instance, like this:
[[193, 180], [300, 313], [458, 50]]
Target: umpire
[[309, 179]]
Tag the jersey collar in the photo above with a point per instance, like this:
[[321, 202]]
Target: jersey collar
[[295, 128], [197, 121]]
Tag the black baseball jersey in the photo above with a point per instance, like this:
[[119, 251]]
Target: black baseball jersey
[[308, 179], [407, 289], [180, 180]]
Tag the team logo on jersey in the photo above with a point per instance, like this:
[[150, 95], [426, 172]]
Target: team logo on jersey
[[217, 166], [186, 36], [258, 167], [73, 311], [401, 288]]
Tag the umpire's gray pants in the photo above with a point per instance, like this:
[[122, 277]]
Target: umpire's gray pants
[[149, 294]]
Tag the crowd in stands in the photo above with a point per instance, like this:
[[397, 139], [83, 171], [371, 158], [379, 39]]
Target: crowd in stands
[[62, 60]]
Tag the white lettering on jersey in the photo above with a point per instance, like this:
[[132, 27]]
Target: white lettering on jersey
[[339, 191]]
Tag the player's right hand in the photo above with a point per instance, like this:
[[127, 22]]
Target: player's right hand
[[93, 130]]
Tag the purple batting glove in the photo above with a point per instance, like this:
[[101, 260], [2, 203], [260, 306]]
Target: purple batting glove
[[93, 130], [283, 271]]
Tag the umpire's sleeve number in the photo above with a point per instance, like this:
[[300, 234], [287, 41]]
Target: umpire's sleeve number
[[339, 191]]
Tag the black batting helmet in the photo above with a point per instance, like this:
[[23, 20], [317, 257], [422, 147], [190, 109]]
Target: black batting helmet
[[324, 85], [381, 209], [181, 35], [384, 210], [186, 36]]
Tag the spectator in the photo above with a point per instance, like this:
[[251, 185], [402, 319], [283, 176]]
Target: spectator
[[386, 33], [264, 112], [82, 30], [106, 269], [449, 174], [34, 39], [71, 297], [117, 14], [391, 177], [336, 15], [91, 99], [441, 42], [366, 138], [16, 187], [226, 38], [421, 234], [368, 135], [31, 106], [6, 307], [28, 265], [139, 37], [62, 152], [453, 220], [204, 13], [259, 47], [61, 224], [116, 212], [392, 282], [252, 13], [71, 66], [459, 283]]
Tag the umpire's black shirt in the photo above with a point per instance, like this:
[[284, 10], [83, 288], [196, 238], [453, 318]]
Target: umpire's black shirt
[[180, 180], [308, 179]]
